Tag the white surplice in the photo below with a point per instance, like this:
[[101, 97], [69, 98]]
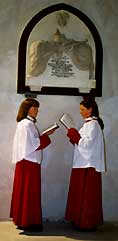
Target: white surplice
[[26, 141], [90, 150]]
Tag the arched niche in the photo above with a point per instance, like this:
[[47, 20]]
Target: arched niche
[[22, 88]]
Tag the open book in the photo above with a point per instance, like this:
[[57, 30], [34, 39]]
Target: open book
[[67, 121], [52, 127]]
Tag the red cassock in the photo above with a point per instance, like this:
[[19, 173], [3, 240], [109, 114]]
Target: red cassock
[[26, 196], [84, 204]]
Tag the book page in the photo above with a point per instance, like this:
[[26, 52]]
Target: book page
[[52, 127], [67, 120]]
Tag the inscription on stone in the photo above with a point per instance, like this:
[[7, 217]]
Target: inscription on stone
[[61, 67]]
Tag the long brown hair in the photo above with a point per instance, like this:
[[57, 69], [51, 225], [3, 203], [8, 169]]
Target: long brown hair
[[24, 108]]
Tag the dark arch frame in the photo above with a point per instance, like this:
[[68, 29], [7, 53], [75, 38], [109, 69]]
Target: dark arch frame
[[23, 89]]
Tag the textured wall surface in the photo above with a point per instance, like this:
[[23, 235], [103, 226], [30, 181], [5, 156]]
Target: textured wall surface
[[56, 167]]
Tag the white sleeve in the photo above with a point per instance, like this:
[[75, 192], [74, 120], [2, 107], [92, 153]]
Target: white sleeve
[[88, 134], [26, 140], [32, 140]]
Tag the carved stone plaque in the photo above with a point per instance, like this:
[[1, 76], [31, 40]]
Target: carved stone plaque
[[61, 62]]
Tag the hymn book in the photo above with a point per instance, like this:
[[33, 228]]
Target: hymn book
[[50, 128], [67, 121]]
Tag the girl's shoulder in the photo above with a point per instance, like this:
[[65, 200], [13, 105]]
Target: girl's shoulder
[[25, 122], [91, 121]]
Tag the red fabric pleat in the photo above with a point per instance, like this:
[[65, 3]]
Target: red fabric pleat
[[84, 203], [26, 195]]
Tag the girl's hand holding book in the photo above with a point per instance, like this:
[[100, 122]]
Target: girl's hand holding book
[[74, 135]]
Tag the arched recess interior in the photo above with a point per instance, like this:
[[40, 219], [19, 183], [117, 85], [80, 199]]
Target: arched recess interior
[[21, 88]]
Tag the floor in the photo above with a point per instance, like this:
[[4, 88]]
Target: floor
[[58, 231]]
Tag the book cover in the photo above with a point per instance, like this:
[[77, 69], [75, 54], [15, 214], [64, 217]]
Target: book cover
[[52, 127], [67, 120]]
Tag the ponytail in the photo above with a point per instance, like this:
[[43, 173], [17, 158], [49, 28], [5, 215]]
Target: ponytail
[[100, 121]]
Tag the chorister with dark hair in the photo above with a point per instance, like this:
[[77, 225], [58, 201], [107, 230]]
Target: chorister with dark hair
[[84, 202], [27, 155]]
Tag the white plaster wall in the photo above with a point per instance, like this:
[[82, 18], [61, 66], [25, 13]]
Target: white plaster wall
[[57, 161]]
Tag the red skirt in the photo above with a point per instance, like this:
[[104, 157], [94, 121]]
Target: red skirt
[[26, 195], [84, 203]]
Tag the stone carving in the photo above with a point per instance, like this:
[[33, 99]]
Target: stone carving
[[62, 18], [80, 53], [61, 67]]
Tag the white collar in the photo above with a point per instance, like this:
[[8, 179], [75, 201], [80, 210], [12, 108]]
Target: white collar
[[30, 118], [90, 118]]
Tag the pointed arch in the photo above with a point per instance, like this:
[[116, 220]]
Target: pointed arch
[[21, 88]]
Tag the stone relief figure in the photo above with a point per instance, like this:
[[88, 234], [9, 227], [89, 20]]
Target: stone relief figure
[[62, 18], [40, 52]]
